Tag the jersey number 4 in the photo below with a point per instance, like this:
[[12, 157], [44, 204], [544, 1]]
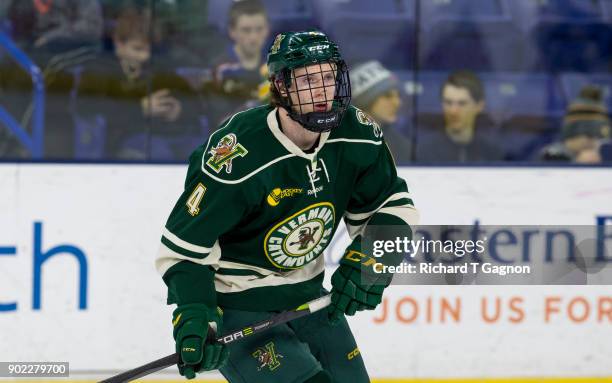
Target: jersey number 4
[[193, 202]]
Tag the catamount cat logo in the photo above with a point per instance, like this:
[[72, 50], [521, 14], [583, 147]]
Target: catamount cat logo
[[226, 150], [267, 357], [301, 238]]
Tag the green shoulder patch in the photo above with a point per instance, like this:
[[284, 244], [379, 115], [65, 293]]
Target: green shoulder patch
[[227, 149]]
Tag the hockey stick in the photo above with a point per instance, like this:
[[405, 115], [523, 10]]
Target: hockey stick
[[283, 317]]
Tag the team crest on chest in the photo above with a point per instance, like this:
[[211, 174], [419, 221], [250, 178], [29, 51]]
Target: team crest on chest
[[226, 150], [301, 238]]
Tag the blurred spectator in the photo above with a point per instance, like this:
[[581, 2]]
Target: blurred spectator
[[461, 139], [188, 38], [239, 72], [375, 90], [57, 35], [585, 126], [144, 110], [48, 28]]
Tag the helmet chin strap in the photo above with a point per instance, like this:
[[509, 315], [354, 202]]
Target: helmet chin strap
[[318, 122]]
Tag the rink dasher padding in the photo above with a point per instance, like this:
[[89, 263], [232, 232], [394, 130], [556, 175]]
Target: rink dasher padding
[[114, 215]]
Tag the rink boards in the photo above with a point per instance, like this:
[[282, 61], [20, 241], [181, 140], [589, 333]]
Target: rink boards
[[99, 304]]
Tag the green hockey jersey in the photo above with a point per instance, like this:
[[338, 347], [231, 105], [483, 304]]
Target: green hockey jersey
[[257, 212]]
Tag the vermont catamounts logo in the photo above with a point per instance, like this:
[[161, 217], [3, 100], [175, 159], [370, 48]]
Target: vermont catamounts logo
[[302, 237], [226, 150], [267, 357]]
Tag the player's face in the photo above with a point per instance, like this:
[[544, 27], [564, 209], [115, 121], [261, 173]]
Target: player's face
[[250, 33], [386, 106], [313, 88], [460, 109]]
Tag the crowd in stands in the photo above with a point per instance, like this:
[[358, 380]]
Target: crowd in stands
[[452, 81]]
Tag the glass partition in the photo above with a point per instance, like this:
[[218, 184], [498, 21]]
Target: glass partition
[[449, 81]]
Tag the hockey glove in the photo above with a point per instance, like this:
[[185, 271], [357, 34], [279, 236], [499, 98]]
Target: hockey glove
[[355, 286], [191, 330]]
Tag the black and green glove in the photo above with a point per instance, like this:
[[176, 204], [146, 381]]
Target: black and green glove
[[356, 286], [198, 348]]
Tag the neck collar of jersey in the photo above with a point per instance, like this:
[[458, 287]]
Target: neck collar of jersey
[[288, 144]]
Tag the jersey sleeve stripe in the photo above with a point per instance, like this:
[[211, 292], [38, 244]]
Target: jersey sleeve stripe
[[180, 250], [400, 202], [184, 244], [408, 214], [392, 197], [355, 222], [166, 258], [241, 266], [239, 272]]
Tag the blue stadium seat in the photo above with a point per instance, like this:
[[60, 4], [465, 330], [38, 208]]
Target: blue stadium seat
[[572, 83], [510, 95], [564, 35], [89, 137], [529, 108], [366, 30], [425, 87], [607, 10], [464, 9], [529, 13], [471, 34], [284, 14]]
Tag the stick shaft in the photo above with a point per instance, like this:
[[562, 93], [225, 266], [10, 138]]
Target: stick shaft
[[144, 370], [232, 336]]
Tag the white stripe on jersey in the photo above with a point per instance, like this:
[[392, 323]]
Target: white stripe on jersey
[[355, 141], [248, 175], [408, 214], [237, 283], [184, 244], [166, 258], [360, 216]]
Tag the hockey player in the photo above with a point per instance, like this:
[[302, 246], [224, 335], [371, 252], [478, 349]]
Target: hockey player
[[262, 200]]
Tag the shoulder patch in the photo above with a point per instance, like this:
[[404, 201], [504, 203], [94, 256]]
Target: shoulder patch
[[227, 149], [364, 119]]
